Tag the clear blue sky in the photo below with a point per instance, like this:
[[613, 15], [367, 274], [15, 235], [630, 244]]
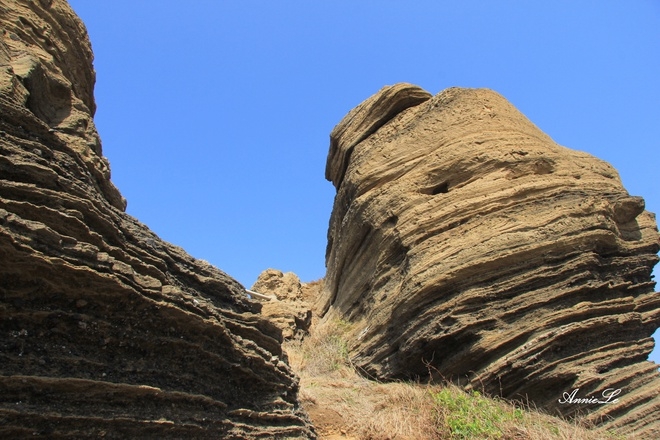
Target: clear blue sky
[[215, 115]]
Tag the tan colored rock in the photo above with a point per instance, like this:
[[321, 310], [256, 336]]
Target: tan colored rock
[[106, 330], [285, 286], [313, 295], [465, 244], [288, 311], [45, 60], [292, 318]]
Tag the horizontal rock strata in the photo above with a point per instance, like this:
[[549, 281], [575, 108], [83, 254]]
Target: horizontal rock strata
[[465, 244], [106, 330]]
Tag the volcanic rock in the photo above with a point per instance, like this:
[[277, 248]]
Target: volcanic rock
[[287, 310], [106, 330], [284, 286], [464, 244]]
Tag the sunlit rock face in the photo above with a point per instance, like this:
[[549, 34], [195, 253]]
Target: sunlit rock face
[[106, 330], [284, 303], [465, 244]]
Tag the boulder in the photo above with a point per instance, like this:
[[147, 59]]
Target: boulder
[[284, 286], [466, 245], [105, 329], [287, 309]]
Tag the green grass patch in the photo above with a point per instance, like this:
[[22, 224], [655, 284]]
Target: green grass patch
[[472, 415]]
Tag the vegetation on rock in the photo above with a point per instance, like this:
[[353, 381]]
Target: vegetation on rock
[[465, 244], [343, 404], [471, 262]]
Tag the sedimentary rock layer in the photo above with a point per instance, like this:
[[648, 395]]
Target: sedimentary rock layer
[[106, 330], [465, 244]]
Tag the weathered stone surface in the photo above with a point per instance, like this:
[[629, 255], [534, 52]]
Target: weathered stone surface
[[465, 244], [106, 330], [284, 286], [288, 311]]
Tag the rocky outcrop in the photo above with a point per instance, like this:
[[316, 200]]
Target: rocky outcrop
[[106, 330], [464, 244], [283, 286], [287, 309]]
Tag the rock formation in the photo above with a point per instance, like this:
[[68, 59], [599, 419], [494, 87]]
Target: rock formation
[[287, 310], [106, 330], [466, 245]]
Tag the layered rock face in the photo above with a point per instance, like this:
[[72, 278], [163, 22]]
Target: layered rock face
[[106, 330], [465, 244]]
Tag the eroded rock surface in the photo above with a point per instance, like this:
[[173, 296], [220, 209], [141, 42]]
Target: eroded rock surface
[[465, 244], [288, 310], [106, 330]]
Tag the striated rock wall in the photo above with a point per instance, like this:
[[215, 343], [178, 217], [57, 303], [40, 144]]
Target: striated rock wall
[[465, 244], [106, 330]]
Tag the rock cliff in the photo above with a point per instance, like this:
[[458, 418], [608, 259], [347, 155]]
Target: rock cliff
[[466, 245], [106, 330]]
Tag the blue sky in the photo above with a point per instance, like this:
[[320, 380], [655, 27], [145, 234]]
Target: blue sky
[[216, 116]]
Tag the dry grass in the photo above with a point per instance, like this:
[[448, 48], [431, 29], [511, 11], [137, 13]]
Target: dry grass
[[345, 405]]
